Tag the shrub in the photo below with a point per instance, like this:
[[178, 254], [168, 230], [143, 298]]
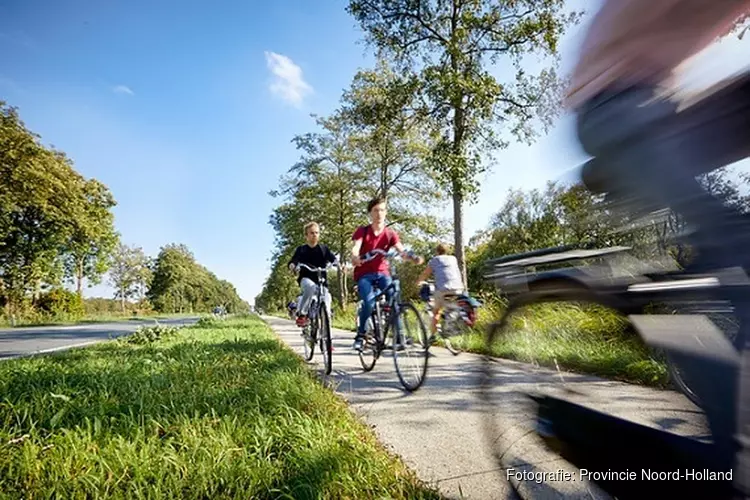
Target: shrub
[[150, 334], [61, 302]]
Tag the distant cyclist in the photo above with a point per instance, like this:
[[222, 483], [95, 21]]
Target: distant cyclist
[[312, 254], [292, 308], [375, 271], [448, 280]]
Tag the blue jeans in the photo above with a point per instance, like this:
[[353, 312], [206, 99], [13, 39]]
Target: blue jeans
[[367, 294], [653, 152]]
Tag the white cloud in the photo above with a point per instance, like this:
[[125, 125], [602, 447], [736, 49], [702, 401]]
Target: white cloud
[[288, 82], [122, 89]]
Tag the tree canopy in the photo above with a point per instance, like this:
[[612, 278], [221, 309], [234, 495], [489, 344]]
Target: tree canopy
[[56, 226]]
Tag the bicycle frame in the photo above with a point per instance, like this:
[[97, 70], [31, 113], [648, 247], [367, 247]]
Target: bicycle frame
[[321, 285], [393, 302]]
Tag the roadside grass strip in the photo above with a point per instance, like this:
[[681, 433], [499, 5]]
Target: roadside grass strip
[[216, 410]]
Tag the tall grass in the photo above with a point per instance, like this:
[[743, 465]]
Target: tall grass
[[223, 411], [40, 319]]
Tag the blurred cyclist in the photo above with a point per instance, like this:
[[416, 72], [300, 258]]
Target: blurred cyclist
[[646, 148]]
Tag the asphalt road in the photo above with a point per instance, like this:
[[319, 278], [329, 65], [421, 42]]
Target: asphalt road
[[439, 430], [24, 341]]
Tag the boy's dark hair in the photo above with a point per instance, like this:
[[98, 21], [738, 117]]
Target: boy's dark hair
[[375, 201], [442, 249]]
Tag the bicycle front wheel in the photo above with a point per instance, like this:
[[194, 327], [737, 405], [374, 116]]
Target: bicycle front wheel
[[325, 338], [370, 352], [410, 347]]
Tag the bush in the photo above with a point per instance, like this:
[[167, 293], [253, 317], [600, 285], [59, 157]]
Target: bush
[[208, 322], [150, 334], [61, 302]]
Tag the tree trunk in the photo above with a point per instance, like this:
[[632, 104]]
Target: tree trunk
[[342, 253], [341, 277], [458, 233], [459, 128], [79, 278], [122, 300]]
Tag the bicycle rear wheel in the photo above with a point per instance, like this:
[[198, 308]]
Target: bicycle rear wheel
[[325, 338], [410, 347]]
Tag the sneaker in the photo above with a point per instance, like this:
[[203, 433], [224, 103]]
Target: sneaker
[[301, 321], [358, 343]]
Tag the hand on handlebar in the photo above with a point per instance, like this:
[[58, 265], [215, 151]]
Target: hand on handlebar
[[377, 251]]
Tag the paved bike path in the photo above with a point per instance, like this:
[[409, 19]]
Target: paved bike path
[[439, 430]]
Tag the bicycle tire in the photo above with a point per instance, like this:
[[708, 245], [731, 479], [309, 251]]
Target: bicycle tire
[[310, 340], [424, 351], [676, 378], [370, 348], [326, 348]]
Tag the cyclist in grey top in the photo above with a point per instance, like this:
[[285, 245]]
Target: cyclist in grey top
[[447, 280]]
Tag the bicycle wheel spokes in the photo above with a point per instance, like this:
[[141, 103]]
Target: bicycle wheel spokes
[[410, 347]]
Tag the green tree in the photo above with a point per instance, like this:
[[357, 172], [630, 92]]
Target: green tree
[[179, 284], [89, 250], [449, 45], [40, 201], [327, 186], [392, 140], [128, 273]]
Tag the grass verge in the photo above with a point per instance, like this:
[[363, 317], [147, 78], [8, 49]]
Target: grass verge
[[223, 411], [88, 319], [578, 338]]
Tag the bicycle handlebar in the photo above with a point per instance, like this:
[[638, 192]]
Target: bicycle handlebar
[[377, 251], [318, 269]]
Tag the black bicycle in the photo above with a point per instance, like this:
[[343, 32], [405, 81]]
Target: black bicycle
[[318, 329], [402, 321]]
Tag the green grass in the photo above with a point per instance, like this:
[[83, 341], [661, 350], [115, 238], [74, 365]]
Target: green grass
[[89, 318], [588, 339], [224, 411]]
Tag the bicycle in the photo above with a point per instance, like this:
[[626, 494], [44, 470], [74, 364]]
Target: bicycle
[[457, 316], [623, 289], [319, 317], [596, 441], [390, 317]]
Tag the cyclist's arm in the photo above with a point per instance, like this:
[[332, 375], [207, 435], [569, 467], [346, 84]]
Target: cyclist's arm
[[294, 260], [404, 254], [355, 251], [425, 274], [330, 256]]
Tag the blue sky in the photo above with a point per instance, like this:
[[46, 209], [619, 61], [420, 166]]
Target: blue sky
[[186, 109]]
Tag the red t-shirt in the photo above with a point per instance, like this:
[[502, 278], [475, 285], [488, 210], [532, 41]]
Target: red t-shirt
[[384, 241]]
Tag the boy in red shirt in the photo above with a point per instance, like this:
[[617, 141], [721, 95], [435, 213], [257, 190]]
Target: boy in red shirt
[[375, 271]]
